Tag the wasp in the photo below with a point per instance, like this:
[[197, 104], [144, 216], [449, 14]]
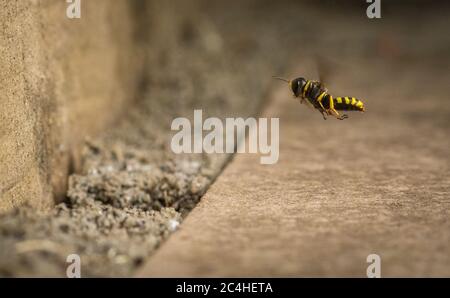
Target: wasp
[[316, 95]]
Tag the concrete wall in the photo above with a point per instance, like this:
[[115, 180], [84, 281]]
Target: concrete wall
[[60, 81]]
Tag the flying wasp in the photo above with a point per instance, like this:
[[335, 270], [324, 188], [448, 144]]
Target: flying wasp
[[316, 95]]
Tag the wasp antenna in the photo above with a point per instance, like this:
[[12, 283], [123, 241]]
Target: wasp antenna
[[281, 79]]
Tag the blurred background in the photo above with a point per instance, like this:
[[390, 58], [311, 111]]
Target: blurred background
[[87, 106]]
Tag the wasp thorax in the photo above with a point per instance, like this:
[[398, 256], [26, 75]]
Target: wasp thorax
[[297, 85]]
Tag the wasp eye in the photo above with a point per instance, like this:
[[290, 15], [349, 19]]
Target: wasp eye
[[294, 86], [297, 85]]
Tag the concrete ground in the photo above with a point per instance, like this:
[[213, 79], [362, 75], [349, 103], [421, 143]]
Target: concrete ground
[[377, 182]]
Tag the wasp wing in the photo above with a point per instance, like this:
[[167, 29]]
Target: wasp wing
[[325, 67]]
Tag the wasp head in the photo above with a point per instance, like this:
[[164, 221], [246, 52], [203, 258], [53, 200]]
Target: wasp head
[[297, 86]]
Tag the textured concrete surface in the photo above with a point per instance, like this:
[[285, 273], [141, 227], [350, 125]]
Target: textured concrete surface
[[56, 75], [377, 182]]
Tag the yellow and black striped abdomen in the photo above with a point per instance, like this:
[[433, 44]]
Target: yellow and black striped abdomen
[[348, 104]]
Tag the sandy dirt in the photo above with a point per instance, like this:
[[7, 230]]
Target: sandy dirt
[[375, 182]]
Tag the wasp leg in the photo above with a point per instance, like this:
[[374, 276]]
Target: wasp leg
[[321, 105], [324, 114], [337, 115]]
